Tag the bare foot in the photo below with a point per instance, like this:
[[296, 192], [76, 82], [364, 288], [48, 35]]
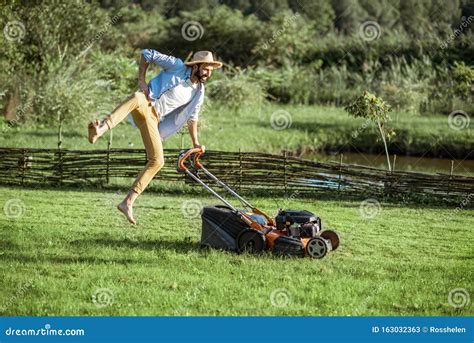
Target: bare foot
[[93, 131], [127, 210]]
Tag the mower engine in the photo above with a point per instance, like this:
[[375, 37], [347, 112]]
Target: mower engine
[[298, 223]]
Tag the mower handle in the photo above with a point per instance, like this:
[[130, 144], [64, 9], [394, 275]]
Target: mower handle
[[193, 151]]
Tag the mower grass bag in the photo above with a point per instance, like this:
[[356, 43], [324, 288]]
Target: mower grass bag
[[290, 233], [221, 227]]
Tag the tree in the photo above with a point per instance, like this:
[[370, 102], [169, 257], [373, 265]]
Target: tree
[[265, 9], [463, 76], [375, 109], [318, 12], [349, 15], [415, 17], [385, 12], [228, 33]]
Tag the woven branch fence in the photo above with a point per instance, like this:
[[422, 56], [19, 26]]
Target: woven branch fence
[[243, 171]]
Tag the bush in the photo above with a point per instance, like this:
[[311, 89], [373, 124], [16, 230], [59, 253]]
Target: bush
[[120, 73], [286, 40], [236, 89], [73, 94], [463, 77], [40, 70]]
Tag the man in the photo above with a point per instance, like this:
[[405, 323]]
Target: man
[[160, 109]]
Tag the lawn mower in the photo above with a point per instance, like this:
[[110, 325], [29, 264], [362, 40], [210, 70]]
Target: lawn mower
[[290, 233]]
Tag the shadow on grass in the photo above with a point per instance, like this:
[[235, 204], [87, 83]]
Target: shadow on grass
[[55, 259], [183, 247], [54, 133]]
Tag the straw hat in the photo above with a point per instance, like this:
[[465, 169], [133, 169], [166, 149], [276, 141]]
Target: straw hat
[[204, 57]]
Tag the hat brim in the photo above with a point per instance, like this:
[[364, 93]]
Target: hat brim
[[214, 64]]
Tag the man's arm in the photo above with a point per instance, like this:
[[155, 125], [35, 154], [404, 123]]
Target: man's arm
[[193, 132], [143, 66], [165, 62]]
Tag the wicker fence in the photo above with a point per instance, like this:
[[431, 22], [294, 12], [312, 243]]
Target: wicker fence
[[240, 170]]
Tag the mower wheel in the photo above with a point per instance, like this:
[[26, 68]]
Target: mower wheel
[[250, 240], [333, 236], [317, 247]]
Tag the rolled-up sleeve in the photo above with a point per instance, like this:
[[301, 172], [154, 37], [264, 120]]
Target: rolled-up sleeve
[[164, 61], [195, 114]]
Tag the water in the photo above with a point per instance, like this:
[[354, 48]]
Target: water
[[403, 163]]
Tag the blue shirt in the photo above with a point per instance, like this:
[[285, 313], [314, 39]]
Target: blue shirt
[[173, 71]]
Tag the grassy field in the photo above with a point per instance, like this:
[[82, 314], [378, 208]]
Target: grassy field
[[298, 128], [69, 253]]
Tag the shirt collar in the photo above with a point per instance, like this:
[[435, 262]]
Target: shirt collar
[[188, 71]]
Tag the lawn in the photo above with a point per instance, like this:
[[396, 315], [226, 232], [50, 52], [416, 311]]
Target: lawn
[[297, 128], [67, 252]]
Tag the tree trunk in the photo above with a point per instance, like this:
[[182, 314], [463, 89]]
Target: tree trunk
[[10, 110], [385, 145]]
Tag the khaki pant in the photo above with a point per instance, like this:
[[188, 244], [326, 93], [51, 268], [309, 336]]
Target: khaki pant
[[146, 118]]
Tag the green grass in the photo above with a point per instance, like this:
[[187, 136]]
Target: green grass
[[67, 244], [312, 128]]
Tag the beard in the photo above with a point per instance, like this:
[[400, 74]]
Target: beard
[[200, 76]]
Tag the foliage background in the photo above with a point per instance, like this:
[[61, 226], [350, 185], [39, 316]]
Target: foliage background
[[292, 51]]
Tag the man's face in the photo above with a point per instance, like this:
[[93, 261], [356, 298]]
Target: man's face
[[203, 72]]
